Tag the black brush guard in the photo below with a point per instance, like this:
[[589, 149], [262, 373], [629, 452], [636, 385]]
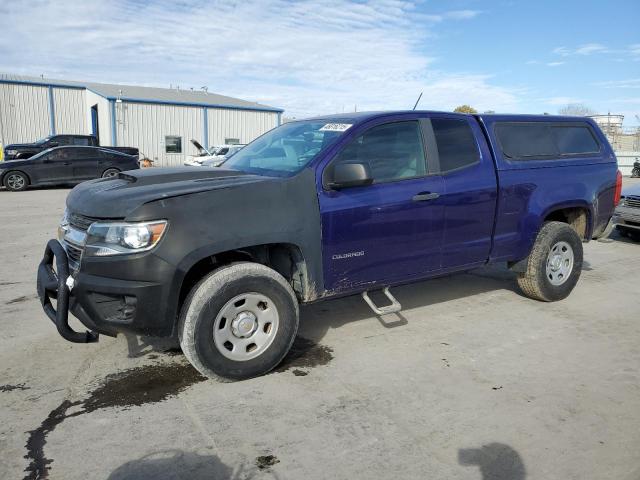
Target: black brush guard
[[53, 284]]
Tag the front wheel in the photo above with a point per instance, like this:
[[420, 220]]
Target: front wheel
[[110, 173], [239, 321], [554, 264], [16, 181]]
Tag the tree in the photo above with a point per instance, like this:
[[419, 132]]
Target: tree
[[576, 109], [465, 109]]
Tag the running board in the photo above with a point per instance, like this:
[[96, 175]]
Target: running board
[[395, 306]]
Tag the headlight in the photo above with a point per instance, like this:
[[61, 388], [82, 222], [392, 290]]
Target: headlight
[[119, 238], [64, 225], [11, 152]]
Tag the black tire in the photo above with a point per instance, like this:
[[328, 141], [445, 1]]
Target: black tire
[[634, 235], [536, 281], [15, 181], [110, 172], [212, 296]]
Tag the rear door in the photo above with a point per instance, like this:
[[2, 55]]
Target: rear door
[[390, 230], [85, 163], [470, 190]]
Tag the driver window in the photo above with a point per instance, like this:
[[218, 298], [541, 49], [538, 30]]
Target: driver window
[[59, 155], [393, 151]]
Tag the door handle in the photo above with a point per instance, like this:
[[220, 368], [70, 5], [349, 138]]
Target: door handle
[[67, 163], [425, 196]]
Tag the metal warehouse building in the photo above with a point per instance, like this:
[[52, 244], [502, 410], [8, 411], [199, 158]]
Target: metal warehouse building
[[159, 121]]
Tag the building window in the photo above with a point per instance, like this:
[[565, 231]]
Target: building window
[[172, 144], [231, 141]]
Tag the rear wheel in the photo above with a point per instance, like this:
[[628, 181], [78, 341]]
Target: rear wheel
[[110, 173], [16, 181], [554, 264], [239, 321]]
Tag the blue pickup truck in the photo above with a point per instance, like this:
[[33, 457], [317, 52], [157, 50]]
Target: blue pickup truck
[[314, 209]]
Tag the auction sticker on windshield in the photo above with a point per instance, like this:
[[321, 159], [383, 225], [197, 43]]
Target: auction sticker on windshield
[[336, 127]]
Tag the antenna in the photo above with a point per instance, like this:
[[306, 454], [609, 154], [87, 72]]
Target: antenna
[[417, 101]]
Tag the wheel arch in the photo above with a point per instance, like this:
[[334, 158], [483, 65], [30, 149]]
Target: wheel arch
[[285, 258], [579, 215]]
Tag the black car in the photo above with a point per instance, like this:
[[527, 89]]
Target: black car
[[61, 165], [17, 151]]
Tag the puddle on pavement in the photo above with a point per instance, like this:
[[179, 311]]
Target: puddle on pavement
[[10, 388], [305, 353], [151, 384], [266, 461], [141, 385], [132, 387], [21, 299]]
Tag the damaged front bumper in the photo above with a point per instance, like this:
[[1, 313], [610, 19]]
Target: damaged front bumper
[[54, 284]]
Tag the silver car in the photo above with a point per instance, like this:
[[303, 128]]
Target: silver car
[[627, 215]]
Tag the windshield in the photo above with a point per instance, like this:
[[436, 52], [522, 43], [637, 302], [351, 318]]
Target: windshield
[[40, 154], [287, 149]]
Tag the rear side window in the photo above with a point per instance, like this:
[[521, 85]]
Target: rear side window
[[80, 153], [456, 144], [575, 140], [61, 140], [81, 141], [523, 141]]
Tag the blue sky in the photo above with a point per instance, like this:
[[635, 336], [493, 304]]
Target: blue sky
[[312, 57]]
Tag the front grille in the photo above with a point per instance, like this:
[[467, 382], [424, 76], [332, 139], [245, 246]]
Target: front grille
[[73, 252], [633, 202], [81, 222]]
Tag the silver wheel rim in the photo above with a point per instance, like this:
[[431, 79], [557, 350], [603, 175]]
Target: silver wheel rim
[[15, 181], [110, 174], [246, 326], [559, 263]]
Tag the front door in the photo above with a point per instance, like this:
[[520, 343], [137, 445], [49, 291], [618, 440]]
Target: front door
[[392, 229], [55, 166]]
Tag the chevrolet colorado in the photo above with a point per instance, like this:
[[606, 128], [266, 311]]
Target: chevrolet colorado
[[221, 258]]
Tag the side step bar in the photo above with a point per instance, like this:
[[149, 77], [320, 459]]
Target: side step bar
[[395, 306]]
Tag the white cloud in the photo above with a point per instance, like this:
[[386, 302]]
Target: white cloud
[[586, 49], [555, 64], [590, 48], [628, 83], [308, 57]]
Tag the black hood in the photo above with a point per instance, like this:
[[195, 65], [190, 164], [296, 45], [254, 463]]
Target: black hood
[[17, 146], [118, 197]]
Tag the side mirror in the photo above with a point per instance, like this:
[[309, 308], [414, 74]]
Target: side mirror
[[347, 175]]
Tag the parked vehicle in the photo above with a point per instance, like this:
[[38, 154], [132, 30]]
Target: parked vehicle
[[635, 172], [320, 208], [627, 215], [18, 151], [218, 154], [60, 165], [218, 160], [195, 160]]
